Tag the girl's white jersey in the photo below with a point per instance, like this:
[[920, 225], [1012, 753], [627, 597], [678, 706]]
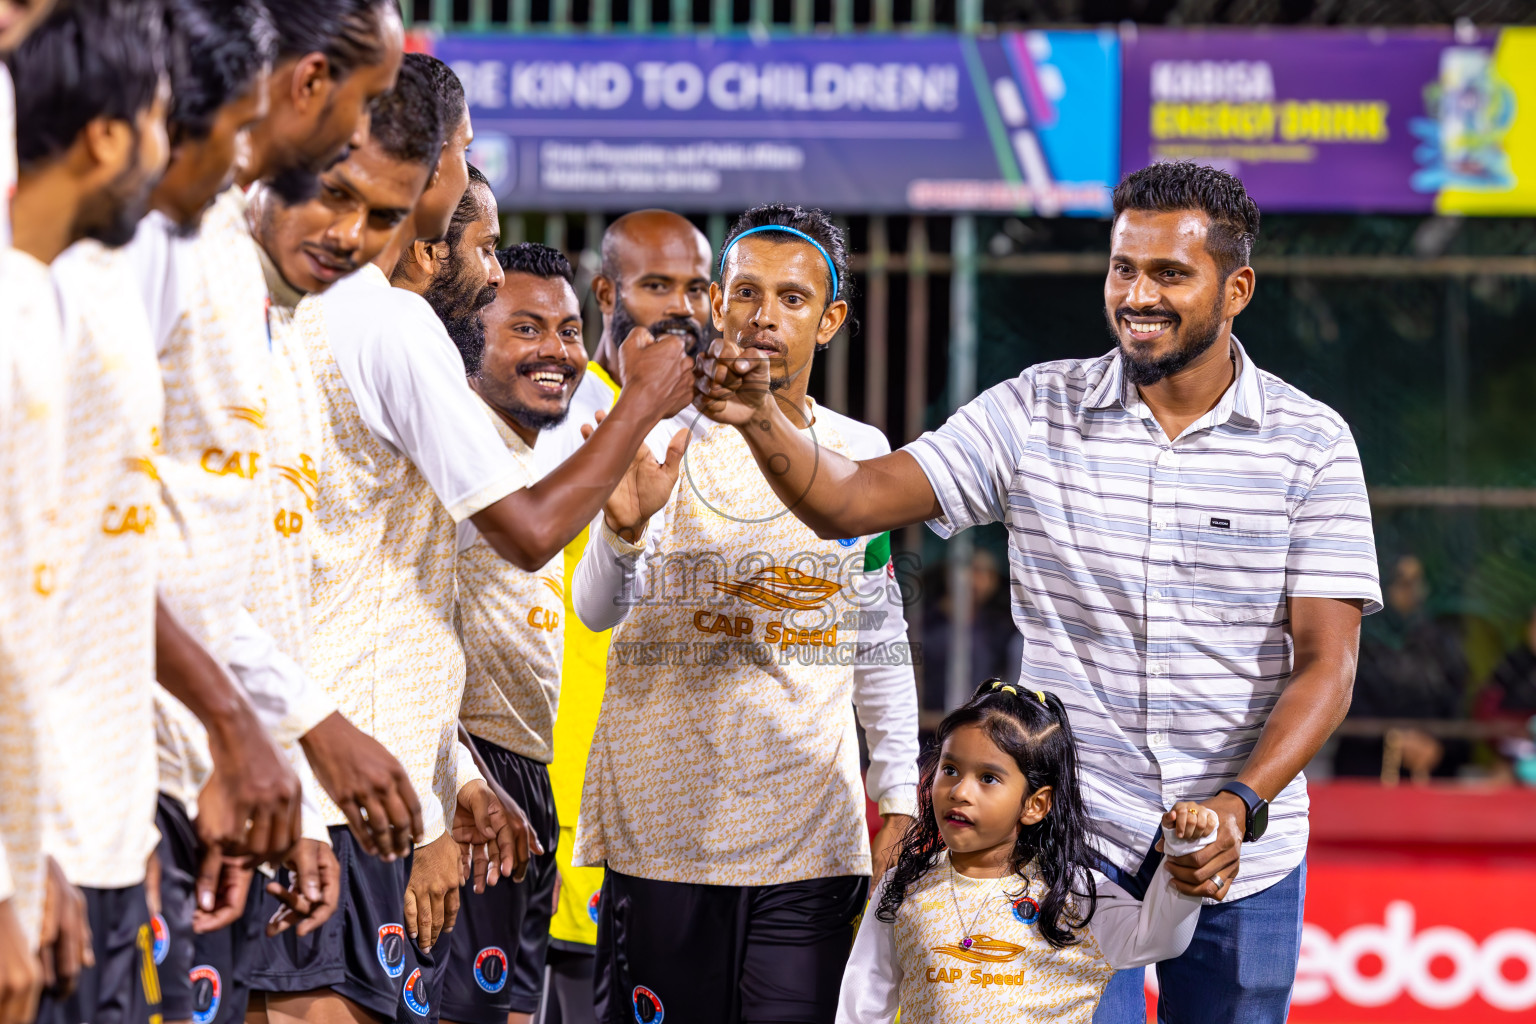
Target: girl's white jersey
[[1007, 973]]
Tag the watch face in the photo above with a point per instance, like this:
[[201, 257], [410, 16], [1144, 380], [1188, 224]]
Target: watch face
[[1259, 820]]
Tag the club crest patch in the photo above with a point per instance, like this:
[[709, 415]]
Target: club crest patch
[[415, 994], [491, 969], [207, 993], [648, 1008], [391, 949], [160, 936]]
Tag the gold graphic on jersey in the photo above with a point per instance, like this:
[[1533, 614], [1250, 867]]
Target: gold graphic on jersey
[[780, 588], [984, 949], [132, 519], [145, 465], [220, 463], [255, 417], [305, 477]]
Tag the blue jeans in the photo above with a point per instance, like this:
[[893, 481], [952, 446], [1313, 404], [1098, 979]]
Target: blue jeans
[[1239, 968]]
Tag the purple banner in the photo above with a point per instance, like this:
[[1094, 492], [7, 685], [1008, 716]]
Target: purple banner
[[1310, 120]]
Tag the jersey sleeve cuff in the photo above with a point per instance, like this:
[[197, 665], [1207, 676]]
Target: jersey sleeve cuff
[[899, 800], [485, 497], [620, 546], [309, 709]]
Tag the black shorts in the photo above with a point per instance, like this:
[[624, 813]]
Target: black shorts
[[724, 953], [200, 979], [363, 951], [496, 965], [123, 987]]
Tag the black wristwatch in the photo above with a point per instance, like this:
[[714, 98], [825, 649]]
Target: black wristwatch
[[1258, 810]]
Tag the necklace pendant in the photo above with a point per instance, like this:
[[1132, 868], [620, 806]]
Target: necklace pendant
[[966, 942]]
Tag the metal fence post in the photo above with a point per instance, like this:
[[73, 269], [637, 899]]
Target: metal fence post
[[962, 388], [877, 324]]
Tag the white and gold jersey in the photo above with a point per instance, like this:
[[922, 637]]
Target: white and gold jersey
[[407, 454], [511, 623], [967, 949], [101, 707], [32, 422], [733, 666]]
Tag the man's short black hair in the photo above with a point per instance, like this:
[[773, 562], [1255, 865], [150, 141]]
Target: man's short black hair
[[217, 50], [406, 121], [812, 222], [1180, 185], [446, 84], [87, 59], [346, 31], [538, 260]]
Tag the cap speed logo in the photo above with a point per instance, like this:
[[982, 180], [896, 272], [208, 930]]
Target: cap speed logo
[[207, 993], [491, 969], [415, 994], [160, 933], [648, 1008], [392, 949]]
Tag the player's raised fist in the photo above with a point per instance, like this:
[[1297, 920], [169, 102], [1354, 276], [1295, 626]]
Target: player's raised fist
[[729, 386], [659, 369]]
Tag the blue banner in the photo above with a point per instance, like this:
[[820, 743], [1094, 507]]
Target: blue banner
[[1022, 121]]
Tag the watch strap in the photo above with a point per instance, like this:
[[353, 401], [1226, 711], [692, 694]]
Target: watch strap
[[1251, 800]]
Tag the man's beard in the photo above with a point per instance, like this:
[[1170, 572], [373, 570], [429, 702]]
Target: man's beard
[[502, 397], [530, 419], [460, 312], [122, 221], [120, 228], [624, 322], [1143, 371]]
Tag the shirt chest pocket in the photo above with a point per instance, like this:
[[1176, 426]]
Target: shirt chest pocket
[[1238, 568]]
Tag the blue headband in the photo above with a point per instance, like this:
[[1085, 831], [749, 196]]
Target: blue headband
[[793, 231]]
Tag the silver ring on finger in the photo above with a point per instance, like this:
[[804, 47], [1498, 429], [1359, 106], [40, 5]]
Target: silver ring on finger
[[1216, 879]]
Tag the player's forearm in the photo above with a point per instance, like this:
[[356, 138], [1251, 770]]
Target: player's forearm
[[530, 526], [192, 676], [830, 493], [815, 483], [1310, 708]]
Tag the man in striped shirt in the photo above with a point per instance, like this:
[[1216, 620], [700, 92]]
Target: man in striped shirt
[[1191, 551]]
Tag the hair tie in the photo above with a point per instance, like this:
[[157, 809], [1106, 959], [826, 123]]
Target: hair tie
[[1009, 689], [831, 267], [1040, 694]]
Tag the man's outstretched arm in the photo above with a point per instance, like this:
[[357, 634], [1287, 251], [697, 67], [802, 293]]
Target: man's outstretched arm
[[833, 495], [534, 524]]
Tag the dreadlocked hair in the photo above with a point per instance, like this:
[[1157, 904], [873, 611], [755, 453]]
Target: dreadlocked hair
[[1031, 727]]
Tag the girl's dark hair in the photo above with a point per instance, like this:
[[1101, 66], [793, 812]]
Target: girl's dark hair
[[1032, 728]]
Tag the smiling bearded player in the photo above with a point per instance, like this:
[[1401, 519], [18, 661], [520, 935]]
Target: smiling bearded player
[[723, 787]]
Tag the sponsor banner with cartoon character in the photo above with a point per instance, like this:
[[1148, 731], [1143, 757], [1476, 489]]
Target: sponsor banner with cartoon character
[[1371, 120]]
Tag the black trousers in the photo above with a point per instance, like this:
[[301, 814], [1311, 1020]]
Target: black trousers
[[766, 954]]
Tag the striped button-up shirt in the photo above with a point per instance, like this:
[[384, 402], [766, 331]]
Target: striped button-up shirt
[[1150, 577]]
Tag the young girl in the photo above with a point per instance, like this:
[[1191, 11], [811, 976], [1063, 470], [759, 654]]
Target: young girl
[[993, 911]]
